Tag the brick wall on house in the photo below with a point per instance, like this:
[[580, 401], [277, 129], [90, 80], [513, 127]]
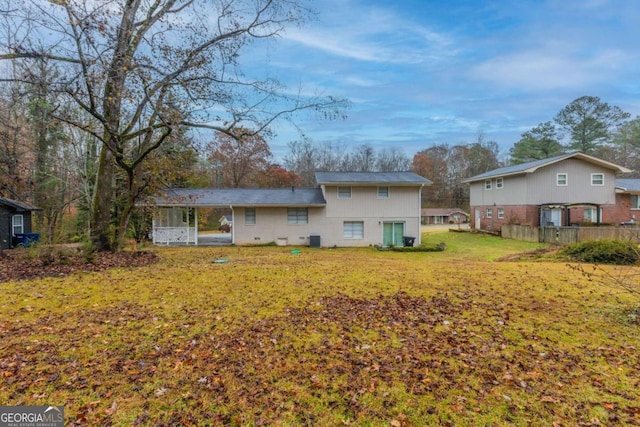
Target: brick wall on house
[[530, 215], [611, 214], [622, 212], [523, 215]]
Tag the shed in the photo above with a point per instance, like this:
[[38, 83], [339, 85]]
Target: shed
[[15, 219]]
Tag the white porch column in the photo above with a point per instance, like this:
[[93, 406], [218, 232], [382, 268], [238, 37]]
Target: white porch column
[[196, 224]]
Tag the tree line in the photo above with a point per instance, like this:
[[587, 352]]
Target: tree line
[[101, 113], [586, 124]]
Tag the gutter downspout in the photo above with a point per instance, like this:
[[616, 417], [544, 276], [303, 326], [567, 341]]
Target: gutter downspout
[[233, 227], [420, 215]]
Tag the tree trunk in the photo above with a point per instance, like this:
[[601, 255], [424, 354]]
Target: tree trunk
[[101, 238], [125, 217]]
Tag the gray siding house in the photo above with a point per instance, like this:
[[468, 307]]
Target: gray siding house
[[346, 209], [569, 189]]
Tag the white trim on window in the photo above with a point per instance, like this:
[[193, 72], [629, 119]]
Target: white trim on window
[[17, 224], [597, 179], [499, 183], [353, 230], [344, 192], [501, 213], [383, 192], [250, 216], [635, 201], [487, 184], [562, 179], [489, 212], [297, 216]]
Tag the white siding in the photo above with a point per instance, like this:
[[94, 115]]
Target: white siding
[[364, 202], [403, 205], [513, 192], [540, 187], [543, 189]]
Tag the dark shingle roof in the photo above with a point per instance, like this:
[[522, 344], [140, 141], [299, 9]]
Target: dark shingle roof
[[371, 178], [531, 167], [628, 185], [19, 206], [241, 197]]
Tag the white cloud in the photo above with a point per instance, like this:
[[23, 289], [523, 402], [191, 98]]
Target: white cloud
[[545, 69], [373, 34]]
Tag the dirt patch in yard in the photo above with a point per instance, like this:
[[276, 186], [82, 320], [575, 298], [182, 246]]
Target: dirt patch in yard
[[23, 264]]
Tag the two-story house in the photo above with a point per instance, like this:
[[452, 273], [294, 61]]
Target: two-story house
[[569, 189], [346, 209]]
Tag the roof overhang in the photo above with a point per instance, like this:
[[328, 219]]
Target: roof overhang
[[540, 164]]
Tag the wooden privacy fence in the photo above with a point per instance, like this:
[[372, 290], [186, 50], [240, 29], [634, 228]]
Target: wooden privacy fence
[[568, 235]]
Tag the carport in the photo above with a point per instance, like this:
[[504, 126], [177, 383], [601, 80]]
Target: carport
[[175, 217]]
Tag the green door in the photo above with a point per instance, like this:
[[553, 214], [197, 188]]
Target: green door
[[392, 233]]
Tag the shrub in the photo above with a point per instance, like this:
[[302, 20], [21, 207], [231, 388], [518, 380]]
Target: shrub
[[420, 248], [619, 252]]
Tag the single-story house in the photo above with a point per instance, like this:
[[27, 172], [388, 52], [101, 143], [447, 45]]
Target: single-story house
[[226, 220], [15, 222], [444, 216], [346, 209], [569, 189]]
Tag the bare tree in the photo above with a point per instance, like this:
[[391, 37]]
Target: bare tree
[[392, 159], [240, 158], [144, 70]]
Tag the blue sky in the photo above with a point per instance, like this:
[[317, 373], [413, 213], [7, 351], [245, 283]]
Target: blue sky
[[420, 73]]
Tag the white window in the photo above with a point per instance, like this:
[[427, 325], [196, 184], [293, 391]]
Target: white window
[[590, 215], [250, 216], [500, 213], [344, 192], [17, 224], [297, 216], [353, 230], [383, 192], [489, 213], [487, 184], [635, 201], [562, 180], [597, 179], [499, 183]]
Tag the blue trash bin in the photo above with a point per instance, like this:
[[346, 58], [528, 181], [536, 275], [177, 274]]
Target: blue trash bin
[[25, 239], [31, 238]]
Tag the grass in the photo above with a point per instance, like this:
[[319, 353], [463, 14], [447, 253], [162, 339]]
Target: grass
[[326, 337]]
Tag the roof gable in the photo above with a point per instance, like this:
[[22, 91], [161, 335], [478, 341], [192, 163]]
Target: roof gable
[[531, 167]]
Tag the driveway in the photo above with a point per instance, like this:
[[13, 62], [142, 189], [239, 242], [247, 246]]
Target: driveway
[[214, 239]]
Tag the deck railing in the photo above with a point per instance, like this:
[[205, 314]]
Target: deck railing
[[175, 236]]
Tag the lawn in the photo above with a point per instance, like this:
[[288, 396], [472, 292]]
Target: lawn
[[327, 337]]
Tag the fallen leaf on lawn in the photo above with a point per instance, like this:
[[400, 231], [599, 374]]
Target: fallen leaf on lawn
[[112, 409]]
